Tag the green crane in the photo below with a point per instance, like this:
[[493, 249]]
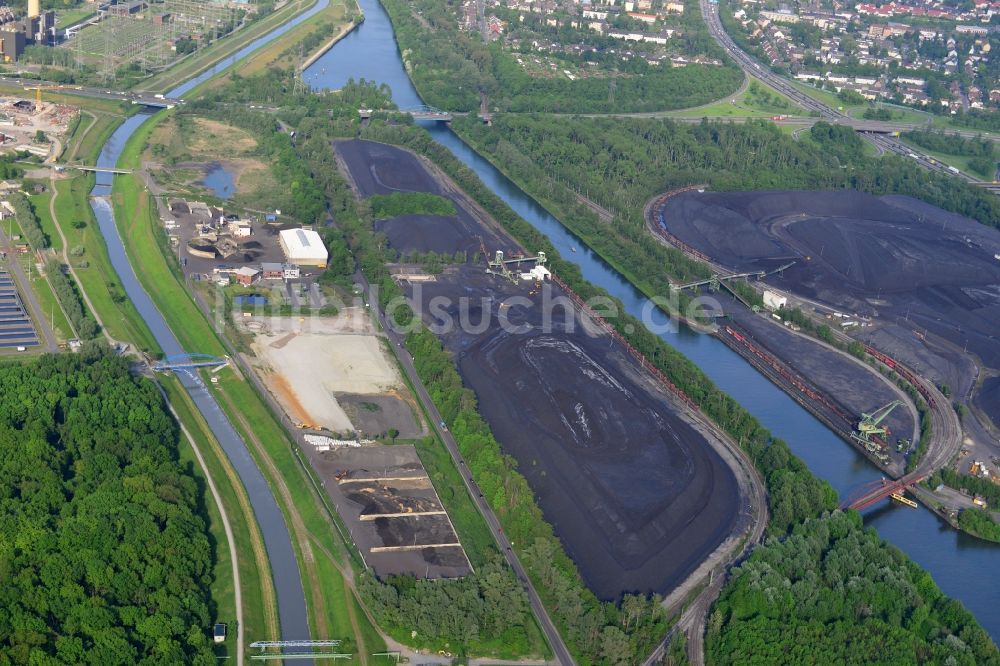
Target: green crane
[[871, 426]]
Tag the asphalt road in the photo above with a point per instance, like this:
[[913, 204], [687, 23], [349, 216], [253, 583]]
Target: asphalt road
[[83, 91], [559, 648]]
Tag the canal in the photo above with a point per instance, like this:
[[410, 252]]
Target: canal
[[277, 540], [964, 567]]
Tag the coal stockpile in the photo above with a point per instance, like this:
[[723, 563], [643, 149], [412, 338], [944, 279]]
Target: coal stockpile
[[634, 489], [636, 494], [851, 385], [930, 280], [377, 168]]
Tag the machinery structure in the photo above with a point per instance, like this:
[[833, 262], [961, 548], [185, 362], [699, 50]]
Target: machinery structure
[[871, 431], [500, 265], [719, 280]]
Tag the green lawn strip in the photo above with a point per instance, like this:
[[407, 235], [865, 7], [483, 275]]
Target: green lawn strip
[[90, 146], [334, 11], [50, 307], [222, 49], [138, 224], [828, 98], [960, 162], [70, 17], [255, 624], [40, 202], [99, 280]]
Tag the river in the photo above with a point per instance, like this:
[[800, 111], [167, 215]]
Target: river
[[277, 540], [965, 568]]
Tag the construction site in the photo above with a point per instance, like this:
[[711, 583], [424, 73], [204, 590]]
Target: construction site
[[23, 118], [333, 374], [918, 287], [637, 487]]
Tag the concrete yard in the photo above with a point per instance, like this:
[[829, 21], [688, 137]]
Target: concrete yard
[[311, 369], [928, 280], [633, 485], [392, 511]]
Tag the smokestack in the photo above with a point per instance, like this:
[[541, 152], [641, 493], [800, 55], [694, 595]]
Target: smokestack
[[34, 8]]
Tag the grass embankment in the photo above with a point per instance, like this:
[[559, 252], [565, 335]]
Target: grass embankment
[[960, 162], [202, 60], [39, 283], [324, 557], [284, 50], [70, 17], [259, 605], [757, 100]]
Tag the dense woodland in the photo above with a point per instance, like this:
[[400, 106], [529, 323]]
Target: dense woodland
[[867, 603], [104, 554], [601, 632], [451, 68]]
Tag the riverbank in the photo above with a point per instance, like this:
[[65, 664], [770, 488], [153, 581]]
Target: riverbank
[[202, 61]]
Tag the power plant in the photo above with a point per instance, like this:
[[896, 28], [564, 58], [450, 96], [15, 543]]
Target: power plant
[[37, 27]]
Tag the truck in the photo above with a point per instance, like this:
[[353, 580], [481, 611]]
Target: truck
[[953, 170]]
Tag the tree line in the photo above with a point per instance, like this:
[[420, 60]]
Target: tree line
[[105, 553], [70, 301], [28, 221], [386, 206]]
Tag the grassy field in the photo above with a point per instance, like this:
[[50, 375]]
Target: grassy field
[[959, 162], [281, 50], [757, 101], [70, 17]]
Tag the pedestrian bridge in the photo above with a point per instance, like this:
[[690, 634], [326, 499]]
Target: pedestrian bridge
[[184, 361]]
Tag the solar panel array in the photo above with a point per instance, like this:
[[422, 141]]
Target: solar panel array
[[16, 329]]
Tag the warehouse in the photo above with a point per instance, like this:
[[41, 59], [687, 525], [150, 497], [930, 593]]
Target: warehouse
[[303, 247]]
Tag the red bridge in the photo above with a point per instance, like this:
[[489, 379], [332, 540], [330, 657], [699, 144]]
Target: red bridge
[[873, 492]]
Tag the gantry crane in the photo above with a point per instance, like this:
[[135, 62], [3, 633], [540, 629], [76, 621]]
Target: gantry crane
[[870, 426], [38, 91]]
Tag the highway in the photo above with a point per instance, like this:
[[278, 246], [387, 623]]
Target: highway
[[882, 142], [562, 654], [93, 93]]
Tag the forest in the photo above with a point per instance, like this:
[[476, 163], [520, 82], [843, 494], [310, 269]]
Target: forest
[[105, 557], [451, 68], [867, 603], [28, 221], [68, 294]]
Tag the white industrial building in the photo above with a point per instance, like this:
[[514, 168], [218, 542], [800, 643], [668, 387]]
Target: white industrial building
[[773, 300], [303, 247]]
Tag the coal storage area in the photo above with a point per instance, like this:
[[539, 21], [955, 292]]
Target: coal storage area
[[633, 486], [929, 279], [635, 491], [377, 168]]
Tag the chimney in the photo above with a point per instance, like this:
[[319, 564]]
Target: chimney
[[34, 8]]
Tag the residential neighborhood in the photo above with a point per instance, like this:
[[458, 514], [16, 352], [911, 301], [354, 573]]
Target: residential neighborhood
[[928, 55]]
